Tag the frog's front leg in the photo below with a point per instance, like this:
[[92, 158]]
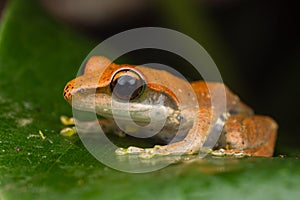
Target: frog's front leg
[[192, 143], [250, 135]]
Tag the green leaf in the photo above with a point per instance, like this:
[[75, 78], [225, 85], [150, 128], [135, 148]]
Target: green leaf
[[37, 57]]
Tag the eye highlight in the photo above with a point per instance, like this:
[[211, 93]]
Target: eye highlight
[[127, 85]]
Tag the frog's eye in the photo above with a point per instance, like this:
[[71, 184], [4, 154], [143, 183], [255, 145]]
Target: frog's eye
[[127, 85]]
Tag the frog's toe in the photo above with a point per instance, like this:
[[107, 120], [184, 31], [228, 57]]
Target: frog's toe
[[121, 151], [135, 150], [129, 150], [146, 155], [156, 150], [161, 150], [230, 153], [143, 153], [68, 131], [67, 121]]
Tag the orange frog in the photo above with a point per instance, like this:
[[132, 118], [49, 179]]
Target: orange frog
[[108, 88]]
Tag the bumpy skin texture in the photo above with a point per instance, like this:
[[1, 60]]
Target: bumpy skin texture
[[242, 132], [255, 135]]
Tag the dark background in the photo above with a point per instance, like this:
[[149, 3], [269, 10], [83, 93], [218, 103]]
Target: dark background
[[254, 43]]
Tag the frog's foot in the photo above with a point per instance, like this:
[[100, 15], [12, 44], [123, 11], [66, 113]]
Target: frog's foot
[[177, 148], [253, 136], [68, 121], [157, 150], [230, 153]]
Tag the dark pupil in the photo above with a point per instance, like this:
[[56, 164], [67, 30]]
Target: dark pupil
[[127, 87]]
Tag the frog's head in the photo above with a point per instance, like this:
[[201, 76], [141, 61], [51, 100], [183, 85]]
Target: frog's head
[[112, 90]]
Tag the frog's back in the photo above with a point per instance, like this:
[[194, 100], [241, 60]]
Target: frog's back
[[205, 90]]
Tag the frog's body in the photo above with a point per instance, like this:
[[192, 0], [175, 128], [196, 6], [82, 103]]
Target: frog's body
[[187, 106]]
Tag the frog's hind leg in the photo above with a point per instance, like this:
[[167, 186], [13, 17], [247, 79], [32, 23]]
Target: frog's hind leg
[[251, 135]]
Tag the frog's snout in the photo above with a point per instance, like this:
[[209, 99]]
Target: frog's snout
[[68, 91]]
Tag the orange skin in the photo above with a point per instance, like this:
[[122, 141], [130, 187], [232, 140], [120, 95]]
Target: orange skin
[[242, 130]]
